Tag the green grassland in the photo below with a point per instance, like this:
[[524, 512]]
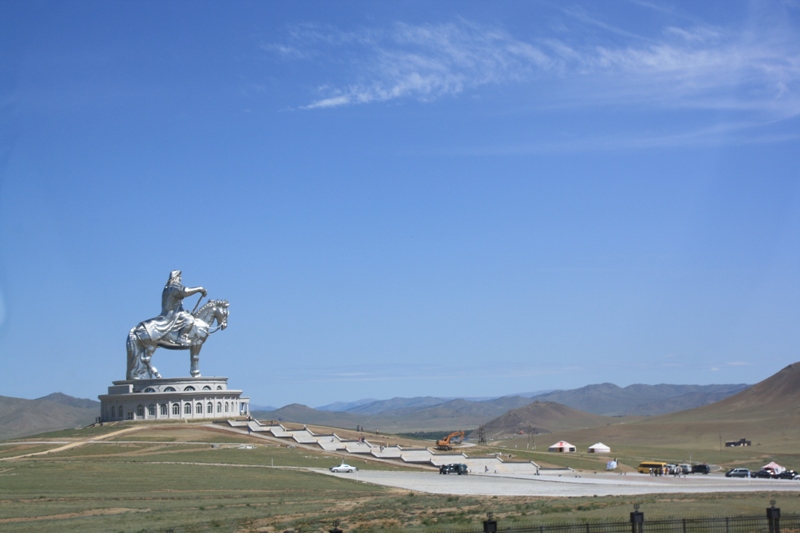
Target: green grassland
[[147, 484]]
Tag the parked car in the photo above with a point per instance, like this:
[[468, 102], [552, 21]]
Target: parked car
[[461, 469], [738, 472], [764, 474], [701, 469], [454, 468], [685, 469], [343, 468], [789, 474]]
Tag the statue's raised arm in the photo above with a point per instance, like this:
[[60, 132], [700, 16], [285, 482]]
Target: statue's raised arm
[[174, 328]]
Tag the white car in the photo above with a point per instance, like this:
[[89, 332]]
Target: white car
[[344, 468]]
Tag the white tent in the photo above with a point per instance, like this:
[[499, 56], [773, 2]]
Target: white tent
[[775, 467], [562, 446], [599, 448]]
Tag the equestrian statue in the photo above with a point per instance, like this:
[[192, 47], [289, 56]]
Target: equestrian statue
[[174, 329]]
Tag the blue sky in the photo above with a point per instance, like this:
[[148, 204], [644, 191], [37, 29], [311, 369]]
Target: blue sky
[[403, 198]]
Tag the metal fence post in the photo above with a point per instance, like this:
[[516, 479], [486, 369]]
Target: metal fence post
[[490, 524], [774, 518], [637, 519]]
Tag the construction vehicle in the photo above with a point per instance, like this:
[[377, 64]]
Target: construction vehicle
[[444, 444]]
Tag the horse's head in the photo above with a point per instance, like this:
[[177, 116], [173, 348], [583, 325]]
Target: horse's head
[[214, 310], [221, 313]]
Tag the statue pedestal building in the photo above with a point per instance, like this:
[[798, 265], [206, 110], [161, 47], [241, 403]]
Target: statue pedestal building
[[172, 399]]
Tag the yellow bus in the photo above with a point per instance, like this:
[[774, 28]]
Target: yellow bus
[[645, 467]]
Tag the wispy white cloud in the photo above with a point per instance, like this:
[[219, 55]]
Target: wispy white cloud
[[426, 62], [693, 66]]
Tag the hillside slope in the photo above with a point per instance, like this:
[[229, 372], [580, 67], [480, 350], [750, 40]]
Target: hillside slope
[[543, 417], [768, 412], [20, 417]]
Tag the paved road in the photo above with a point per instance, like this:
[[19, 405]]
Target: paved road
[[565, 486]]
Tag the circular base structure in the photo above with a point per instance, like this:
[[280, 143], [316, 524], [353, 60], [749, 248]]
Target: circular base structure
[[172, 399]]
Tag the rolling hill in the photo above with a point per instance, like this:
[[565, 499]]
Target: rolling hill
[[543, 417], [20, 417]]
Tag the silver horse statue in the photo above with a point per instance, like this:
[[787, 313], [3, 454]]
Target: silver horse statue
[[145, 338]]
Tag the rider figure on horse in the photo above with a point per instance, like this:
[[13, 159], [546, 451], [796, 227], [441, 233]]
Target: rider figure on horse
[[172, 325]]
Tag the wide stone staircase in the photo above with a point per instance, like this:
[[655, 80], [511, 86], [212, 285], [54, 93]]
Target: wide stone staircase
[[494, 464]]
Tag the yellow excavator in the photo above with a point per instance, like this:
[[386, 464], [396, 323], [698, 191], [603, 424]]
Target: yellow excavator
[[444, 444]]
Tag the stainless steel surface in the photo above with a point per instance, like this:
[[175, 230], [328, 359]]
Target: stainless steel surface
[[174, 329]]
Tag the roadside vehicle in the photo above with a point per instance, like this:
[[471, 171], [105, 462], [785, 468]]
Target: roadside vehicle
[[343, 468], [701, 469], [764, 474], [657, 467], [738, 472], [788, 474], [454, 468], [685, 469]]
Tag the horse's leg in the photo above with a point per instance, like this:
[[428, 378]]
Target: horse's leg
[[146, 357], [194, 354], [137, 366]]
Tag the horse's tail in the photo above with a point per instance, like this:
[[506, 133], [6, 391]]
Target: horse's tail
[[130, 345], [133, 345]]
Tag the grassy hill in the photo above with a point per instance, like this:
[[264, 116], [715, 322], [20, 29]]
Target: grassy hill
[[543, 417], [20, 417]]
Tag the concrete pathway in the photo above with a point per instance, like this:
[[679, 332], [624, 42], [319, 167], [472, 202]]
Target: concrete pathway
[[565, 486]]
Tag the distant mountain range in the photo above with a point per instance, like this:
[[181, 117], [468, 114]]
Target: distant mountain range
[[640, 400], [19, 417], [429, 413], [405, 414], [767, 412], [603, 399]]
